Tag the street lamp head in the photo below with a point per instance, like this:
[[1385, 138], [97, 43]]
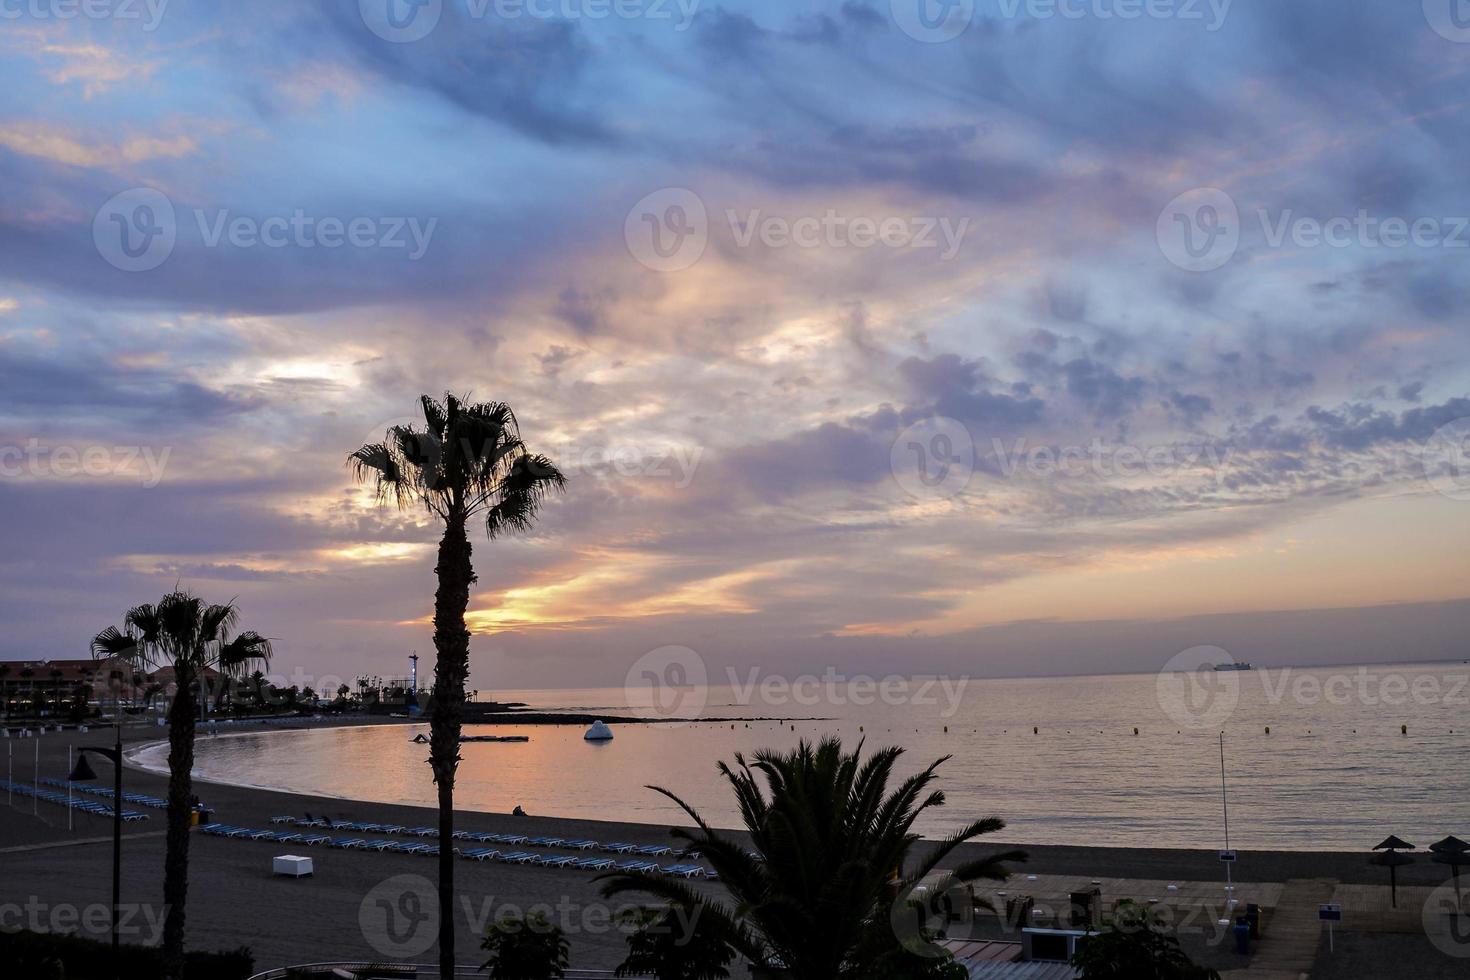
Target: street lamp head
[[82, 772]]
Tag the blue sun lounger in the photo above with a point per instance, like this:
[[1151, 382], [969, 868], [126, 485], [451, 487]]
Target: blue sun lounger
[[592, 864], [685, 871], [405, 847], [283, 819], [517, 857], [422, 831], [654, 850], [312, 840], [555, 861], [637, 866], [481, 854], [515, 840], [620, 847], [345, 842], [580, 845], [546, 842]]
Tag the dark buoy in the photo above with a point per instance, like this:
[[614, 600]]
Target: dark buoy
[[1135, 731], [1403, 729], [946, 729], [1268, 729], [1035, 730]]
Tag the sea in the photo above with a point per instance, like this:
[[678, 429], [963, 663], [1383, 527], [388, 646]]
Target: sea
[[1321, 758]]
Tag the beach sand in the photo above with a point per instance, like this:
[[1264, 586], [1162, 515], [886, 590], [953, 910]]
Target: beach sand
[[235, 900]]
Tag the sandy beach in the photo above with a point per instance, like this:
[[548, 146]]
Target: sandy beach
[[235, 900]]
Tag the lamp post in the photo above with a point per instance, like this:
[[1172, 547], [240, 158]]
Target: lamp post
[[83, 773]]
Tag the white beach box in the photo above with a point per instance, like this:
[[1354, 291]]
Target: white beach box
[[290, 864]]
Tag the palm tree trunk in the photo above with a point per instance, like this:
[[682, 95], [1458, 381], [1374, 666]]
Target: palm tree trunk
[[180, 789], [452, 658]]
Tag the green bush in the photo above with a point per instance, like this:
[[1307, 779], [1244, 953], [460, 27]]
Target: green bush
[[57, 956]]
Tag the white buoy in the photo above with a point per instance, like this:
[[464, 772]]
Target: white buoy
[[598, 733]]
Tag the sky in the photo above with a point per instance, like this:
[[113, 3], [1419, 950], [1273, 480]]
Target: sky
[[998, 338]]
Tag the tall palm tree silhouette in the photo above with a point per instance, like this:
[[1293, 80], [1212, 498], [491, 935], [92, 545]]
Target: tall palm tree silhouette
[[466, 463]]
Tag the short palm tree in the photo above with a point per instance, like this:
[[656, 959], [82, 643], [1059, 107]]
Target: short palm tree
[[181, 632], [466, 463], [817, 897]]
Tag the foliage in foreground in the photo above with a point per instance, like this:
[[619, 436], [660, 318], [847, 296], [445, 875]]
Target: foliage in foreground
[[823, 894], [526, 949], [1135, 947], [669, 944], [56, 956]]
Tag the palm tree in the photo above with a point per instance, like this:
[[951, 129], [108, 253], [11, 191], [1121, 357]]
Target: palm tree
[[183, 633], [818, 897], [467, 463]]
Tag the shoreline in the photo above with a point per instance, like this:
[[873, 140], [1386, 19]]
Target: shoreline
[[317, 799]]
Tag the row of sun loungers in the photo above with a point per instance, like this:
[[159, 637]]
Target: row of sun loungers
[[142, 799], [384, 845], [76, 803], [514, 840]]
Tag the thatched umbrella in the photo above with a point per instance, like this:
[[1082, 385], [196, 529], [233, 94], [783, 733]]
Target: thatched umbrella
[[1451, 851], [1393, 860]]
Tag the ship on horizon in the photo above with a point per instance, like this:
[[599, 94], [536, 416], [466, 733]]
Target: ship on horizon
[[1236, 665]]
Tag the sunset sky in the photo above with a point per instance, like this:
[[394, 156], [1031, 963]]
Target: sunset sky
[[736, 416]]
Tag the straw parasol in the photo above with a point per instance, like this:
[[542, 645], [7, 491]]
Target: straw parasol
[[1451, 851], [1393, 860]]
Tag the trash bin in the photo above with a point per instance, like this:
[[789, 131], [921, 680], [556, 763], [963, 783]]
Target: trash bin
[[1242, 936], [1253, 916]]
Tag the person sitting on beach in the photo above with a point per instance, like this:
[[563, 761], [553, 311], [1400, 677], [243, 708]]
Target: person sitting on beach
[[518, 812]]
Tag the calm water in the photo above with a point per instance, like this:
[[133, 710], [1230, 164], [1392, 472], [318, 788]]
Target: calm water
[[1334, 773]]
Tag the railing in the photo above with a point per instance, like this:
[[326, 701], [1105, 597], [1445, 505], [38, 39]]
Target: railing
[[419, 971]]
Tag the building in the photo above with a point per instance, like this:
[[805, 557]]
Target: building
[[52, 688]]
